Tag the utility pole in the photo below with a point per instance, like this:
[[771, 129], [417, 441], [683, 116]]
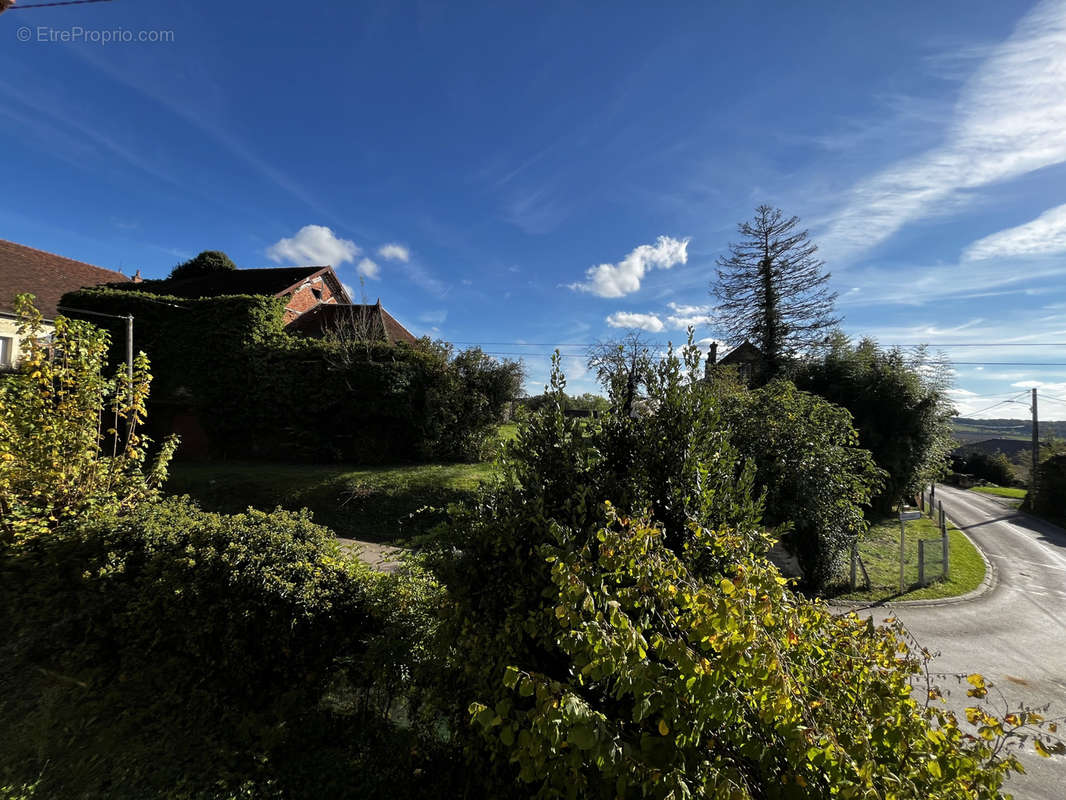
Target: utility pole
[[129, 347], [129, 332], [1036, 449]]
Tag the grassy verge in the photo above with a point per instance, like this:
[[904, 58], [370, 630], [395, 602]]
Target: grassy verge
[[370, 503], [879, 551], [1001, 491]]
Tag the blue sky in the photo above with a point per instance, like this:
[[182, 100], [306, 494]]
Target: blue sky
[[531, 176]]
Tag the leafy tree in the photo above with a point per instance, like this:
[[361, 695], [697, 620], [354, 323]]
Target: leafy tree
[[208, 262], [816, 477], [1049, 499], [995, 468], [772, 291], [1023, 460], [899, 404], [606, 654], [467, 401], [622, 367], [58, 462]]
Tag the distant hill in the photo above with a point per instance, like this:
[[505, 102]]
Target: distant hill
[[978, 430], [1009, 447]]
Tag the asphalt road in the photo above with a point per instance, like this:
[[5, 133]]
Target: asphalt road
[[1015, 634]]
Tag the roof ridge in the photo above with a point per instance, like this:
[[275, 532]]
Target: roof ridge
[[58, 255]]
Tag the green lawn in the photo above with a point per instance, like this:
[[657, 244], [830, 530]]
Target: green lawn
[[374, 504], [369, 503], [879, 551], [1001, 491]]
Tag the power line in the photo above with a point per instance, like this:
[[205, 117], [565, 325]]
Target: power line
[[52, 5], [1010, 363], [970, 414], [926, 344]]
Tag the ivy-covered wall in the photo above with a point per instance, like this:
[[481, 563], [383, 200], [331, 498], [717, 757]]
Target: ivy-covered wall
[[227, 365]]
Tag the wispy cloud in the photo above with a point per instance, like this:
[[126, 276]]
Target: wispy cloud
[[618, 280], [1010, 119], [206, 123], [1045, 235], [394, 252], [314, 244], [920, 284]]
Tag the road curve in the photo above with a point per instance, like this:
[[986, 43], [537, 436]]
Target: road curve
[[1015, 634]]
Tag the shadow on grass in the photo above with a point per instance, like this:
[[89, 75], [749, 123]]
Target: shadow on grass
[[380, 504]]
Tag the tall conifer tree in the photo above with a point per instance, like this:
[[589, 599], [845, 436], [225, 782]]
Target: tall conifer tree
[[772, 290]]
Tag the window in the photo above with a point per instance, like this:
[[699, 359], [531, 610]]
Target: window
[[7, 352]]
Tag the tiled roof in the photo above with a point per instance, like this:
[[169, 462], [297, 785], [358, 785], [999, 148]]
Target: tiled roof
[[744, 352], [45, 275], [269, 281], [380, 324]]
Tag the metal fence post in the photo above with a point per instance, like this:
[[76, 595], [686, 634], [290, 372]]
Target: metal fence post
[[944, 540], [921, 562], [932, 498], [854, 564]]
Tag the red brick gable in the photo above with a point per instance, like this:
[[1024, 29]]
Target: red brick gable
[[316, 290], [303, 287], [45, 275]]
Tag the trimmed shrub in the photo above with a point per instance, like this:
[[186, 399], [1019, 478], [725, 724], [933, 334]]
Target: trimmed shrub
[[139, 646]]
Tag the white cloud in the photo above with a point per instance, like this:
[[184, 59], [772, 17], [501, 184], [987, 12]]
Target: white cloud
[[1038, 385], [1010, 120], [313, 245], [368, 268], [684, 323], [1045, 235], [394, 252], [618, 280], [625, 319], [683, 310]]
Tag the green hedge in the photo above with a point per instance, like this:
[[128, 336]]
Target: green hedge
[[178, 653], [261, 392]]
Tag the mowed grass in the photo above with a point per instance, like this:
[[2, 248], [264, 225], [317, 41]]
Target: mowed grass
[[387, 504], [375, 504], [1001, 491], [879, 551]]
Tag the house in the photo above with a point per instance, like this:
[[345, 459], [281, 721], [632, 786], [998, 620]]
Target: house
[[747, 358], [303, 288], [367, 322], [316, 301], [48, 277]]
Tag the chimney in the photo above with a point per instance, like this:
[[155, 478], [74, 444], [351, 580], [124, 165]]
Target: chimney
[[137, 277], [712, 359]]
